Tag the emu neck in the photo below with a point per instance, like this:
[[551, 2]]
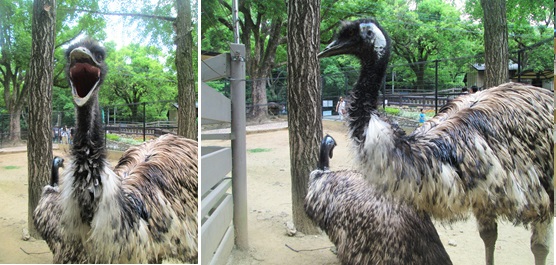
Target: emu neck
[[89, 158], [54, 177], [364, 99], [88, 142]]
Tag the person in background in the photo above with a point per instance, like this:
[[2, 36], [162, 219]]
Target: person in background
[[422, 117], [474, 89], [341, 108]]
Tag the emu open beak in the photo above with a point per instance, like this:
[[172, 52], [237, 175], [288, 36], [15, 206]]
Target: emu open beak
[[84, 75], [332, 49]]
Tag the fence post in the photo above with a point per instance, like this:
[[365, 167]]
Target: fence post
[[239, 165], [435, 87], [144, 121]]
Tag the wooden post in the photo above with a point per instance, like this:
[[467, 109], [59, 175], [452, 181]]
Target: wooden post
[[239, 169]]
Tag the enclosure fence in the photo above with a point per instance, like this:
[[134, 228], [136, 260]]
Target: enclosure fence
[[139, 121], [427, 84]]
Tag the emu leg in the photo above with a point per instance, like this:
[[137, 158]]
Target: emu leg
[[488, 230], [540, 240]]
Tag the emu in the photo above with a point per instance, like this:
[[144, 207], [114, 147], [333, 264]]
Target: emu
[[490, 152], [365, 226], [145, 209], [47, 221]]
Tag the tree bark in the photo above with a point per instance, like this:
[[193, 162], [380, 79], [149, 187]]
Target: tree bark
[[187, 112], [496, 42], [39, 82], [15, 123], [304, 102]]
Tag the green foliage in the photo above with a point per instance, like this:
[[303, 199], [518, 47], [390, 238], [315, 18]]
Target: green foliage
[[259, 150], [529, 22], [10, 167], [392, 110], [112, 137], [137, 75]]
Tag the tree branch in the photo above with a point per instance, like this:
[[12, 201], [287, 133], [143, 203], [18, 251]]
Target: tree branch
[[171, 19]]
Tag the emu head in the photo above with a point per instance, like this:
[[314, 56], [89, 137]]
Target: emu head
[[85, 70], [326, 152], [57, 162], [363, 38]]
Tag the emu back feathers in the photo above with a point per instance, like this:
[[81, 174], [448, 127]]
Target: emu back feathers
[[145, 210], [496, 142], [367, 227]]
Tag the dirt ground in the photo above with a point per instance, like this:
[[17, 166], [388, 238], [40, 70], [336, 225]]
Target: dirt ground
[[269, 206]]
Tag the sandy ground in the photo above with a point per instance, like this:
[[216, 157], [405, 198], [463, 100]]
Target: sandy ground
[[269, 204], [269, 200]]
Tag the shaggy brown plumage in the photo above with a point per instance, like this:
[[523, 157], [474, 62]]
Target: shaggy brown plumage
[[369, 228], [46, 218], [147, 208], [490, 152], [366, 226]]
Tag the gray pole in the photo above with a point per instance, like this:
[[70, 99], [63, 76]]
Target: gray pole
[[235, 19], [393, 80], [435, 87], [239, 165]]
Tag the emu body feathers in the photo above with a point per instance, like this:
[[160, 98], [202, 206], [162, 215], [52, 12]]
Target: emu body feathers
[[366, 226], [147, 207]]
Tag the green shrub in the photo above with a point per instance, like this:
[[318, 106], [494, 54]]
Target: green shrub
[[112, 137], [259, 150], [392, 110]]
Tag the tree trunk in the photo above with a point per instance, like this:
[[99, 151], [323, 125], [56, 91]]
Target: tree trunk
[[39, 80], [15, 124], [259, 111], [187, 112], [496, 42], [304, 102], [419, 70]]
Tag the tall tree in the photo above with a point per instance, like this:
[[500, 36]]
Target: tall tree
[[262, 25], [39, 84], [425, 33], [304, 102], [15, 42], [496, 42], [138, 76], [187, 125]]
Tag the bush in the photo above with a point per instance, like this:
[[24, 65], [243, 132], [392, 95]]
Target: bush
[[392, 110], [112, 137]]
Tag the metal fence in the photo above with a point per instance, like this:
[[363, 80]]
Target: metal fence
[[427, 84], [138, 121]]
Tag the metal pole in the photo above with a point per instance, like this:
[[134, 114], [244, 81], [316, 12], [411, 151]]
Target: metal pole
[[239, 164], [144, 120], [519, 66], [393, 80], [435, 87], [235, 17]]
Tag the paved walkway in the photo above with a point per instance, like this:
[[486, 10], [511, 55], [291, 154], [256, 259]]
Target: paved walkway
[[20, 149], [266, 127]]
